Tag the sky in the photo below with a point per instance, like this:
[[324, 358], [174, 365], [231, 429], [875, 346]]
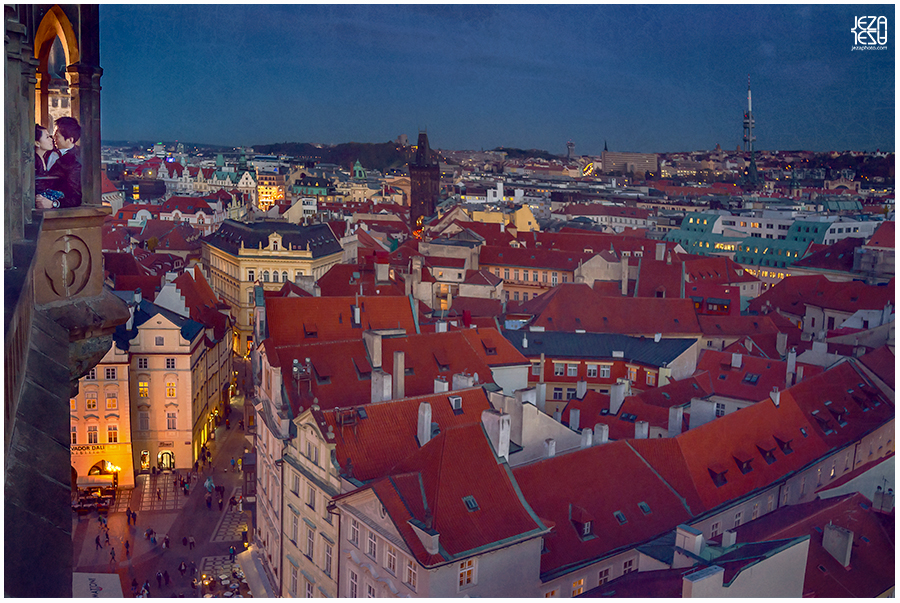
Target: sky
[[646, 78]]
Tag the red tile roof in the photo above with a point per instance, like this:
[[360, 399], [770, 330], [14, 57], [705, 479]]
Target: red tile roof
[[340, 282], [621, 426], [541, 259], [201, 301], [375, 444], [882, 362], [626, 316], [431, 484], [736, 326], [838, 256], [294, 321], [753, 380], [577, 485], [791, 293], [871, 570], [883, 236], [186, 205]]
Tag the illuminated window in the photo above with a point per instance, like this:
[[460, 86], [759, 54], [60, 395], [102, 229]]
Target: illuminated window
[[466, 573], [73, 404], [578, 587], [112, 401], [632, 373], [411, 575], [74, 434], [354, 532], [651, 379], [90, 401], [170, 389], [391, 559]]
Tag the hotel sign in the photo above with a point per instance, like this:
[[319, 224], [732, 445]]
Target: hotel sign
[[94, 448]]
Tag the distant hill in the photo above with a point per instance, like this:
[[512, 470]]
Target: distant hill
[[378, 156], [529, 154]]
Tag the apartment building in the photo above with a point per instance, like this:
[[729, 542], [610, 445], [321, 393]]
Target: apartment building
[[100, 417], [239, 255]]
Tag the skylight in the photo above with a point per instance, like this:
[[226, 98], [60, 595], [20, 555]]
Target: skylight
[[620, 517], [471, 504]]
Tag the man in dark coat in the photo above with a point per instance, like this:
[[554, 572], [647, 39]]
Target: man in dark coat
[[66, 169]]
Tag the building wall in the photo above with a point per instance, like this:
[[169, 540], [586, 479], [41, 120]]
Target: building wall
[[311, 482], [110, 408], [154, 434], [592, 575], [779, 575]]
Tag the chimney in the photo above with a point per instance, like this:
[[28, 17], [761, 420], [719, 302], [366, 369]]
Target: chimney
[[440, 327], [423, 430], [587, 438], [664, 374], [617, 397], [601, 430], [382, 272], [676, 420], [549, 448], [542, 369], [883, 501], [657, 337], [775, 395], [689, 539], [799, 374], [581, 389], [736, 361], [137, 296], [623, 264], [440, 384], [781, 343], [373, 347], [839, 542], [701, 582], [399, 375], [641, 430], [660, 252], [497, 425], [557, 416], [729, 538], [791, 367], [381, 385], [574, 419], [356, 316], [525, 340], [463, 381], [541, 397]]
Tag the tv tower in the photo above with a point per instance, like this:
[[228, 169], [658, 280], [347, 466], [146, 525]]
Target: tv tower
[[749, 123]]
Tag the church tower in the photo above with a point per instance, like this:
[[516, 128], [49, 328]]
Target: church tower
[[425, 184]]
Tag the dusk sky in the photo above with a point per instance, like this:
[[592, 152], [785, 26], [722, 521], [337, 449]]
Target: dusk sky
[[642, 78]]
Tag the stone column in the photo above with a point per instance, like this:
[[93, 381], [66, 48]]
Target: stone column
[[18, 187], [85, 91]]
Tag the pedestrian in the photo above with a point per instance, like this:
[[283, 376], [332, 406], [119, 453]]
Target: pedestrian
[[99, 546], [134, 517], [128, 515], [107, 537], [153, 538], [208, 500], [232, 463], [193, 567], [112, 554], [220, 503], [159, 578], [182, 568], [231, 503], [134, 586], [241, 424], [127, 549], [166, 541], [183, 542], [227, 423], [240, 464], [231, 552], [166, 576], [191, 544], [158, 494]]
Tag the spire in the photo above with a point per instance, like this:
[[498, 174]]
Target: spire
[[604, 146]]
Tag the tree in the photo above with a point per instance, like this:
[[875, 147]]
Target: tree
[[152, 244]]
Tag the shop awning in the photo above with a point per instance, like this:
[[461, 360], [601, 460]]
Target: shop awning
[[255, 574], [92, 481]]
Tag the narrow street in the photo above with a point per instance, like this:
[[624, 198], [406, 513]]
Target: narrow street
[[162, 506]]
